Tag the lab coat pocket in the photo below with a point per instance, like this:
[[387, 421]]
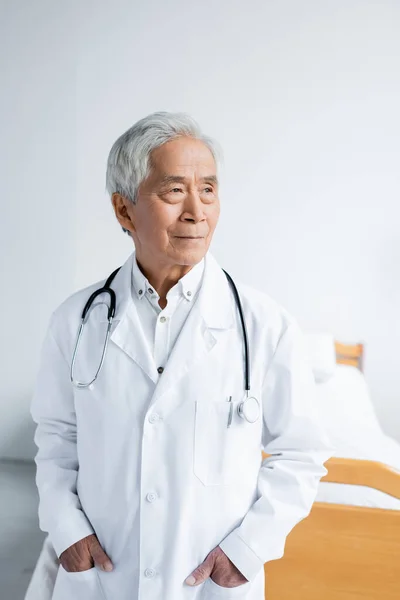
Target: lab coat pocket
[[80, 585], [222, 455], [212, 590]]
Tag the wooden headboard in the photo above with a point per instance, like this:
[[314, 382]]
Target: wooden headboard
[[347, 354]]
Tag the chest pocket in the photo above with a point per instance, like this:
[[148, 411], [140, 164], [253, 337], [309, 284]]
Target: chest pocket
[[225, 455]]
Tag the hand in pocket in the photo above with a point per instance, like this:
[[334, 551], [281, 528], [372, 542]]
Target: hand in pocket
[[84, 554], [221, 570]]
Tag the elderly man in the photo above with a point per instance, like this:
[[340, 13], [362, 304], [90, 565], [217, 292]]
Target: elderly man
[[151, 478]]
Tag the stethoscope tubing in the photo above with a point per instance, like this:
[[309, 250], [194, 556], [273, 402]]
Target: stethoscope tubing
[[106, 289]]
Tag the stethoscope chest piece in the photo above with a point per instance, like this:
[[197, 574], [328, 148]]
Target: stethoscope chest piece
[[249, 409]]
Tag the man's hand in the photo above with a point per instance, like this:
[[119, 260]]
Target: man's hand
[[83, 555], [221, 570]]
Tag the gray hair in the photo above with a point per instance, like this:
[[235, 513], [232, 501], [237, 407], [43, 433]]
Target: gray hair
[[129, 159]]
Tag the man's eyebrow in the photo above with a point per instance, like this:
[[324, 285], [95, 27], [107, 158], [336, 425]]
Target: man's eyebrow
[[166, 179], [172, 179], [210, 179]]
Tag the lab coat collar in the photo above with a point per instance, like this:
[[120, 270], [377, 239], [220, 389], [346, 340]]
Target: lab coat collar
[[127, 332], [214, 299], [212, 310]]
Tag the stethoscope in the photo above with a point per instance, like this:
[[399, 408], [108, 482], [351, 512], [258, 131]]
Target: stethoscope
[[248, 409]]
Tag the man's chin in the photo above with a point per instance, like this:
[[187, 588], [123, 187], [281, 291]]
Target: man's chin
[[191, 256]]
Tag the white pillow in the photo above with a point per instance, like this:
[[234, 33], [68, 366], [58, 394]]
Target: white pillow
[[346, 410], [322, 355]]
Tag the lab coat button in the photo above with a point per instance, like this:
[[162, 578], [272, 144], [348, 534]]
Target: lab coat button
[[154, 418], [151, 497], [149, 573]]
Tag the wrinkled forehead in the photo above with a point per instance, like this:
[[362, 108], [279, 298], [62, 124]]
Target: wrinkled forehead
[[183, 157]]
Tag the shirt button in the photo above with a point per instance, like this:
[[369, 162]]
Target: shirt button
[[163, 319], [189, 293], [154, 418], [151, 497], [160, 370], [149, 573]]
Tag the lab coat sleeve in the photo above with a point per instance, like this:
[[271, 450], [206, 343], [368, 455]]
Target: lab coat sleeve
[[52, 408], [288, 480]]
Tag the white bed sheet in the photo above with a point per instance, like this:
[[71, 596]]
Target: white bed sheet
[[348, 415]]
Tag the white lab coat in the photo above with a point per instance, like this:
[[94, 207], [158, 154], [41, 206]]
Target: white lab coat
[[41, 585], [147, 462]]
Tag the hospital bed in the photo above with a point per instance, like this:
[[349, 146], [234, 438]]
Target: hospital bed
[[349, 546]]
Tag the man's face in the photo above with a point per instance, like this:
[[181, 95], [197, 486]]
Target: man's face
[[177, 207]]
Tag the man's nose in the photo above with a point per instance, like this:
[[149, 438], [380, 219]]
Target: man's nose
[[193, 207]]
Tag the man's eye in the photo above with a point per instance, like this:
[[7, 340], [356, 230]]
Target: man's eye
[[176, 190], [208, 189]]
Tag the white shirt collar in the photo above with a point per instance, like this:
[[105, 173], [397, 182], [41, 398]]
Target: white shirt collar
[[187, 286]]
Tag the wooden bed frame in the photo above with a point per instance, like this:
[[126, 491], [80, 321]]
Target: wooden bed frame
[[352, 355], [343, 552]]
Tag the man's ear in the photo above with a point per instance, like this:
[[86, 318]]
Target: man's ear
[[124, 216]]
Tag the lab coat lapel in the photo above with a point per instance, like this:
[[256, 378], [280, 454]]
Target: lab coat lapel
[[209, 319], [127, 332], [129, 336]]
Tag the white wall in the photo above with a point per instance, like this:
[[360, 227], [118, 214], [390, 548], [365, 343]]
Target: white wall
[[38, 205], [303, 97]]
